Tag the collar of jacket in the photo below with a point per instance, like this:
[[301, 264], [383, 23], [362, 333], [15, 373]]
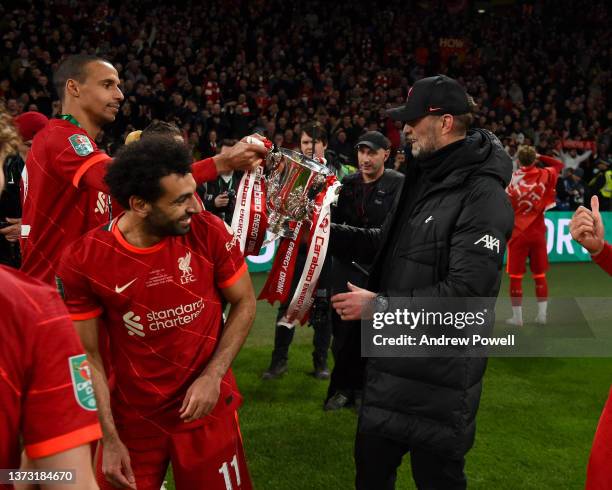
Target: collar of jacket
[[479, 153], [435, 168]]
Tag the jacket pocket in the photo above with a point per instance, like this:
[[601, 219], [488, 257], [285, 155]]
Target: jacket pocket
[[424, 253]]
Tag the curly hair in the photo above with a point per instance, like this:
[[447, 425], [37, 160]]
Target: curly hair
[[139, 166], [9, 137]]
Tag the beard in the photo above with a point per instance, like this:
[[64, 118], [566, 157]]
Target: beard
[[423, 152], [425, 148], [159, 224]]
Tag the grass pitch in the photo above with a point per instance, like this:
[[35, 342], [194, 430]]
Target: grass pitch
[[536, 420]]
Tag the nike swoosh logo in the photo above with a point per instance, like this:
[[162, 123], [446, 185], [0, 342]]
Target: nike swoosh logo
[[432, 109], [123, 288]]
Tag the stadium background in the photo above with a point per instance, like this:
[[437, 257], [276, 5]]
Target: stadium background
[[540, 73], [560, 246]]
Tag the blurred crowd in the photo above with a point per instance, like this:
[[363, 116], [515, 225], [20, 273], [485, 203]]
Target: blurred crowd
[[539, 71]]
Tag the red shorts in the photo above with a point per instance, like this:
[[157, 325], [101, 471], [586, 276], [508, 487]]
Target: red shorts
[[525, 246], [208, 457]]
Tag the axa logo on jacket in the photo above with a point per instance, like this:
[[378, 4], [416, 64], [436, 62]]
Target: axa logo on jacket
[[489, 241]]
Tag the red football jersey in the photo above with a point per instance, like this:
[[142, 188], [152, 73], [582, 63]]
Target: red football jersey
[[604, 258], [161, 307], [57, 209], [532, 192], [46, 394]]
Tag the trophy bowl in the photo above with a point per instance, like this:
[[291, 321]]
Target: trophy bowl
[[293, 182]]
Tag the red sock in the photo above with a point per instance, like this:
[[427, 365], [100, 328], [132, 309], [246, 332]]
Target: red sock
[[516, 290], [541, 287]]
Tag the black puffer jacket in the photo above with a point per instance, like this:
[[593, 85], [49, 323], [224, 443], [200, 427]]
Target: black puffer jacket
[[434, 247]]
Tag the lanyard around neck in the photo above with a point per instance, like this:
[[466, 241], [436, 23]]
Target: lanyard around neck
[[70, 118]]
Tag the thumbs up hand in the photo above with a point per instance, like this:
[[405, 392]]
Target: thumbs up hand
[[587, 227]]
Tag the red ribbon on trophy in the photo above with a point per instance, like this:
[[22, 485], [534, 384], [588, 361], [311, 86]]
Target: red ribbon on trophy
[[250, 218], [278, 285]]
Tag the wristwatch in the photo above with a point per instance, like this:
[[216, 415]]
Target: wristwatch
[[381, 304]]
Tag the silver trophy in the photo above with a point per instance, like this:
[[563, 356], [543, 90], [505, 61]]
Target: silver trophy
[[293, 182]]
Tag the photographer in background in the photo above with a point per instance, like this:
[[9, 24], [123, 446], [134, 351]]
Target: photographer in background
[[219, 196]]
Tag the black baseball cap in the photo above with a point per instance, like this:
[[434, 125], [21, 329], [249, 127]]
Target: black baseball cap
[[432, 96], [373, 140]]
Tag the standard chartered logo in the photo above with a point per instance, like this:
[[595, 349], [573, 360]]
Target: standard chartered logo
[[131, 322], [178, 316], [174, 317]]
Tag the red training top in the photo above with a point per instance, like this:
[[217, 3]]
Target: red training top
[[161, 308], [532, 192], [46, 393], [604, 258], [65, 195], [57, 209]]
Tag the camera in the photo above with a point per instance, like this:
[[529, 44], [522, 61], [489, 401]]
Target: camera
[[321, 308], [231, 193]]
